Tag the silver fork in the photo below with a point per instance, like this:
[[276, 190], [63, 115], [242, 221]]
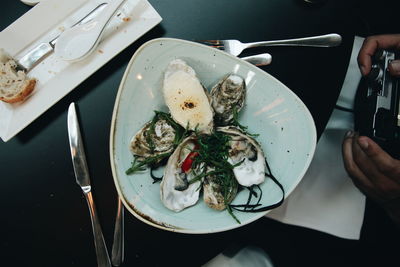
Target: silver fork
[[236, 47]]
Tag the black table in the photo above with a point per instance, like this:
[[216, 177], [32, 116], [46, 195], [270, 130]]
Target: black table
[[45, 220]]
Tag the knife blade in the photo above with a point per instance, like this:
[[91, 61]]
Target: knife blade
[[83, 180], [42, 50], [77, 150]]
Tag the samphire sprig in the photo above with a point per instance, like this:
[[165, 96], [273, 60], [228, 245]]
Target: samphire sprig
[[212, 159], [235, 122], [140, 164]]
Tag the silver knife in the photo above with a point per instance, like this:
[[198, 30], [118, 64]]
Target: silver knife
[[42, 50], [82, 178]]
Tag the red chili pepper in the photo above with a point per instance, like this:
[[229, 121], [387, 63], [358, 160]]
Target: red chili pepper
[[187, 163]]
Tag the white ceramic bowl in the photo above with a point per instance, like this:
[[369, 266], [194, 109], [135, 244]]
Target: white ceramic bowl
[[286, 128]]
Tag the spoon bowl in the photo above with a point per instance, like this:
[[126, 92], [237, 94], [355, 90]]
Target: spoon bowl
[[80, 41]]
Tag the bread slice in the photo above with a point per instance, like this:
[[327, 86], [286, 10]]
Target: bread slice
[[15, 85]]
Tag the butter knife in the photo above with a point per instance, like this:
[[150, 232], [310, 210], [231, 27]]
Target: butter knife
[[83, 180], [42, 50]]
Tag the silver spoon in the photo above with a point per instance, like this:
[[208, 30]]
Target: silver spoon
[[259, 60], [78, 42], [117, 252]]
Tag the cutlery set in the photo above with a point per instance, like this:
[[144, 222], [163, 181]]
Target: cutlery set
[[78, 42], [81, 39], [235, 47], [41, 51]]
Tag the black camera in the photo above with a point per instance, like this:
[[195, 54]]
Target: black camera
[[377, 107]]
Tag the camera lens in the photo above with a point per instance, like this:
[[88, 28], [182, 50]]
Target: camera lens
[[376, 73]]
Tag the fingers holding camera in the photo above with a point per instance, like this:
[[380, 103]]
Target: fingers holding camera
[[394, 68], [372, 170], [373, 43], [382, 164], [359, 179]]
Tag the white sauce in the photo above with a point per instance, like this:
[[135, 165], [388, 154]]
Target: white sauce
[[250, 172]]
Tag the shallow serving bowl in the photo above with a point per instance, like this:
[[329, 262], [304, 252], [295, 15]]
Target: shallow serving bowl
[[286, 132]]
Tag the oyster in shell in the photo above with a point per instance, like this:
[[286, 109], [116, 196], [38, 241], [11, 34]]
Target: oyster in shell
[[213, 192], [226, 96], [149, 142], [246, 150], [176, 190], [186, 98]]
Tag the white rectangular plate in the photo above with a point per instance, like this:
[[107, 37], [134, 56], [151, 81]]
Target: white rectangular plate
[[56, 78]]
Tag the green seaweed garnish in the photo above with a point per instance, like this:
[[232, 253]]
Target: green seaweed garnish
[[140, 164], [211, 160], [235, 122]]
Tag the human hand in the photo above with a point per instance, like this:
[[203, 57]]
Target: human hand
[[371, 45], [373, 171]]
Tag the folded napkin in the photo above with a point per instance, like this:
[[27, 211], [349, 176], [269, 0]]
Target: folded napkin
[[247, 256], [326, 199]]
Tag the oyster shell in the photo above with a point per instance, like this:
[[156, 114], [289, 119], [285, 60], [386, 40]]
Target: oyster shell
[[213, 192], [175, 190], [162, 139], [244, 148], [186, 98], [228, 94]]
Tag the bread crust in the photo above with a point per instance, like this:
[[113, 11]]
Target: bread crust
[[22, 94], [15, 85]]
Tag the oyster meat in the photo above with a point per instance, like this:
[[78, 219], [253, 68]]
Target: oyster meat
[[244, 149], [214, 191], [176, 190], [152, 142], [227, 96], [186, 98]]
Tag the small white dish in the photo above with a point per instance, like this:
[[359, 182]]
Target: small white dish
[[56, 77], [272, 110]]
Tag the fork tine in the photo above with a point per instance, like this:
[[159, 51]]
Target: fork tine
[[210, 42], [220, 47], [213, 43]]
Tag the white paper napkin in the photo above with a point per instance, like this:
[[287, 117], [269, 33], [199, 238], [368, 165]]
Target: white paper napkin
[[247, 256], [326, 199]]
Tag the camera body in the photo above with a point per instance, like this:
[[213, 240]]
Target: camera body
[[377, 104]]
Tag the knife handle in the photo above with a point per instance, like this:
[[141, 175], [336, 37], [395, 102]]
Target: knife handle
[[117, 252], [36, 55], [103, 259]]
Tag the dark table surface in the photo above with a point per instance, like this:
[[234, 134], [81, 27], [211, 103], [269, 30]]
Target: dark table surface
[[45, 220]]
